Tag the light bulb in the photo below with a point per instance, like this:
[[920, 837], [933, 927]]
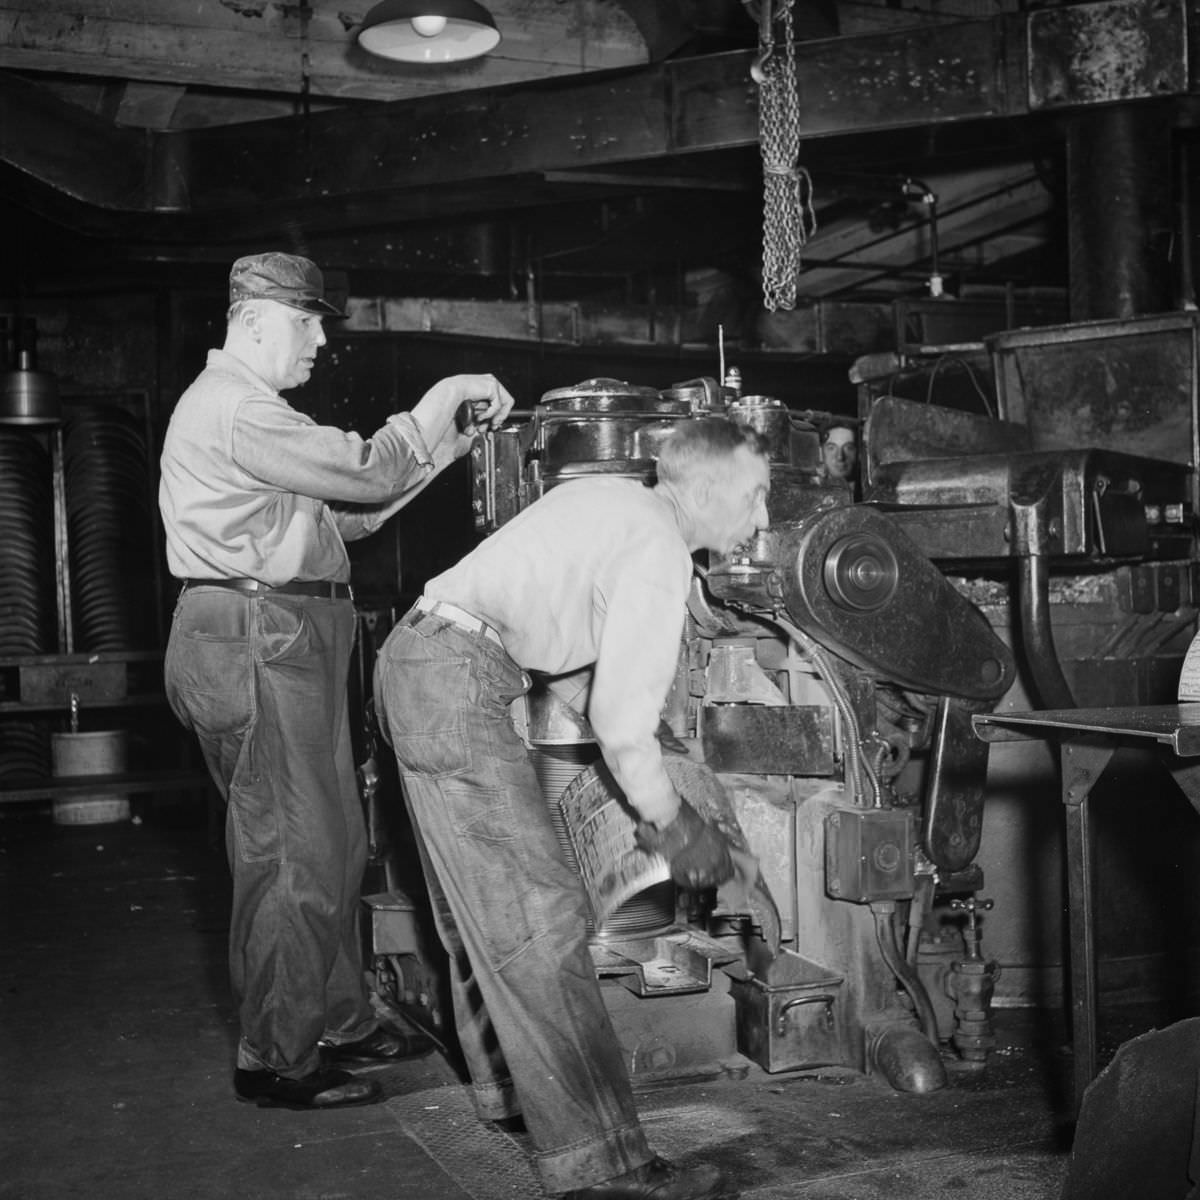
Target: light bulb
[[429, 26]]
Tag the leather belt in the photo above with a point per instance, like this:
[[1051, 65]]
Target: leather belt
[[457, 616], [298, 587]]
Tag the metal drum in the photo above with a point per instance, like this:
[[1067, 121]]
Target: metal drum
[[602, 427], [791, 441]]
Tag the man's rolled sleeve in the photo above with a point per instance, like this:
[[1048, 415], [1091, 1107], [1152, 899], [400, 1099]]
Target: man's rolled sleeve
[[635, 668], [359, 521]]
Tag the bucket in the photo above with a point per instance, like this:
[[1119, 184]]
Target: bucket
[[104, 752]]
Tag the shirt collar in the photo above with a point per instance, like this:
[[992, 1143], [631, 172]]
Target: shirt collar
[[225, 361]]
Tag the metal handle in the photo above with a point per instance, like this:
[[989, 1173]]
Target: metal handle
[[781, 1020]]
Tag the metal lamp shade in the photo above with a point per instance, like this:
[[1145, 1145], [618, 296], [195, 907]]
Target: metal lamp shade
[[28, 397], [428, 31]]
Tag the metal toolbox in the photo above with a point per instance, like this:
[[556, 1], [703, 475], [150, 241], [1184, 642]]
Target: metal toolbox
[[788, 1013]]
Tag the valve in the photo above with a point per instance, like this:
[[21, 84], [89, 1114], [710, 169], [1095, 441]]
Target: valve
[[971, 907], [970, 984]]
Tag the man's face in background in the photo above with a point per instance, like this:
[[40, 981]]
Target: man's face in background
[[839, 452]]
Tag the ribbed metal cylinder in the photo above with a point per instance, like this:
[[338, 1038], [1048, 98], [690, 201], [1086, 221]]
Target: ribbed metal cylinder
[[647, 912]]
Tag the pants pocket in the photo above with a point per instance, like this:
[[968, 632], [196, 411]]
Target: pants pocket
[[209, 681], [425, 704], [491, 872], [253, 810]]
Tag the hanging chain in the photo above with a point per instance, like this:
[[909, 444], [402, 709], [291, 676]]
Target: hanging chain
[[788, 216]]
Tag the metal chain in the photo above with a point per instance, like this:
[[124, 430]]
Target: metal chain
[[788, 216]]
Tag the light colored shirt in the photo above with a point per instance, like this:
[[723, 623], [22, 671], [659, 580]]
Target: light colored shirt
[[595, 572], [250, 488]]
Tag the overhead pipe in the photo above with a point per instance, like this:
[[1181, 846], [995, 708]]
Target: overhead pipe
[[1037, 638], [1036, 532]]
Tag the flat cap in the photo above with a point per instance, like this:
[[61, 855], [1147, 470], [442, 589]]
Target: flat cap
[[287, 278]]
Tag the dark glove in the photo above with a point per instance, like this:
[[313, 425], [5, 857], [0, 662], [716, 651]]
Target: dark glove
[[698, 853], [668, 741]]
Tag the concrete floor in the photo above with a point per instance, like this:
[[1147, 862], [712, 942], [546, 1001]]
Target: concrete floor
[[119, 1041]]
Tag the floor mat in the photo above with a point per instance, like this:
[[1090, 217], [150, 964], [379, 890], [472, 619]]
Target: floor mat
[[486, 1162], [489, 1164]]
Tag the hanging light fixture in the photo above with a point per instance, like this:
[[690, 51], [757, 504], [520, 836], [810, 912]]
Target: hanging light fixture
[[428, 31], [28, 396]]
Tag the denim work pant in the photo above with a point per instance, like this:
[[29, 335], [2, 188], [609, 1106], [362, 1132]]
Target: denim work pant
[[262, 682], [511, 911]]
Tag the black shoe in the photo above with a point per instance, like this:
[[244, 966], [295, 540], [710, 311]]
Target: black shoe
[[319, 1089], [660, 1180], [384, 1045], [510, 1124]]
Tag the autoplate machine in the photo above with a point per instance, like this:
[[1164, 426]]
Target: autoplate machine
[[827, 679]]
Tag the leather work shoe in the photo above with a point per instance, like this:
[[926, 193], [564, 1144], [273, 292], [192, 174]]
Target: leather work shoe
[[660, 1180], [323, 1088], [382, 1046]]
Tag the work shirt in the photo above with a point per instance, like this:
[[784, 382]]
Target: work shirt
[[250, 488], [595, 572]]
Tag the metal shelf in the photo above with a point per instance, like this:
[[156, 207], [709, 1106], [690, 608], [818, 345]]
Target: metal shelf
[[85, 785], [12, 707]]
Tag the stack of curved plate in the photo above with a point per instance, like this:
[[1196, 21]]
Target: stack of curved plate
[[28, 607], [109, 527], [25, 755], [27, 597]]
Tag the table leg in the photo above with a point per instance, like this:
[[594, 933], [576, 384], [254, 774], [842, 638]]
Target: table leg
[[1082, 764]]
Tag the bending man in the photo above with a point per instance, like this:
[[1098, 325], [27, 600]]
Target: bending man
[[595, 572]]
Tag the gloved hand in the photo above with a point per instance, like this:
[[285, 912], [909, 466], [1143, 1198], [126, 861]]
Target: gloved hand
[[698, 853]]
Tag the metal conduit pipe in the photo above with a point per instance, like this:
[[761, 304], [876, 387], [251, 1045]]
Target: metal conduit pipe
[[1033, 587]]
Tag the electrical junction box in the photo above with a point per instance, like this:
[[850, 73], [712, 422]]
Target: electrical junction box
[[393, 924], [869, 854]]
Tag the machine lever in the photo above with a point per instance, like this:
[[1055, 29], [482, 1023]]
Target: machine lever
[[750, 893]]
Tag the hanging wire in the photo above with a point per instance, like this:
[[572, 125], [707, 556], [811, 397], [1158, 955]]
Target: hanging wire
[[949, 360]]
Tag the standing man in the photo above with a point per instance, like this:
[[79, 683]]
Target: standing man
[[257, 502], [595, 572]]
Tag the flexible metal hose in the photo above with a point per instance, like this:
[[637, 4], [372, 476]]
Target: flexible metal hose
[[856, 764], [884, 913]]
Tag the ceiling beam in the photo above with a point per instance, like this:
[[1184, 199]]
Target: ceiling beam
[[306, 46], [400, 161]]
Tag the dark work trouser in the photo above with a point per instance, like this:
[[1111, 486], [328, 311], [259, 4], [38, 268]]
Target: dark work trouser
[[510, 910], [262, 682]]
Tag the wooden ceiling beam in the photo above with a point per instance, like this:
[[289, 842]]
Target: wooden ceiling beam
[[262, 45], [405, 157]]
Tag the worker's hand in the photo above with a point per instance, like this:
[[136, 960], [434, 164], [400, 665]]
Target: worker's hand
[[456, 409], [697, 852]]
